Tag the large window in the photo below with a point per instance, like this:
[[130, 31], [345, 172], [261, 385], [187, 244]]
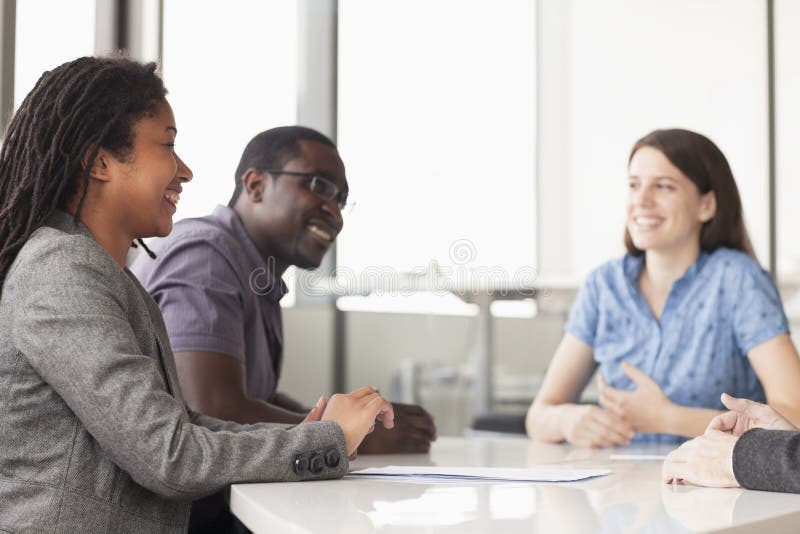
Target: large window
[[231, 72], [437, 122], [637, 66], [787, 144], [49, 33]]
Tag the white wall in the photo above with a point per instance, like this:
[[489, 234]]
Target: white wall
[[625, 68], [787, 139]]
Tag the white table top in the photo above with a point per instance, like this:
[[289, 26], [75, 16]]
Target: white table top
[[630, 499]]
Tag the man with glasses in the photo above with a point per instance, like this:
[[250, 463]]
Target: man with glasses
[[217, 280]]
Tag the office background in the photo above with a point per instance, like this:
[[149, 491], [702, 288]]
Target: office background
[[486, 145]]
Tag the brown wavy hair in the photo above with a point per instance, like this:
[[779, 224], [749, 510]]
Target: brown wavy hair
[[697, 157]]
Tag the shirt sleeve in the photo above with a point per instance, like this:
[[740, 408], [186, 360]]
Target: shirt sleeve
[[768, 460], [758, 312], [200, 296], [583, 317]]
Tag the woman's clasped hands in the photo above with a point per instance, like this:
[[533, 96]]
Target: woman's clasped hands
[[644, 408], [621, 413]]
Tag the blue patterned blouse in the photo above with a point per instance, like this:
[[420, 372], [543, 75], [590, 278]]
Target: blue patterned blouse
[[723, 306]]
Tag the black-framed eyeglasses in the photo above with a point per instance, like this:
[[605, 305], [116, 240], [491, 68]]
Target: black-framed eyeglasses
[[323, 188]]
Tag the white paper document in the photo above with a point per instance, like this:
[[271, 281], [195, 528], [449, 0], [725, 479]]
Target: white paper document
[[529, 474], [639, 457]]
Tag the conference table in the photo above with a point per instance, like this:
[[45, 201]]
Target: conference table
[[630, 499]]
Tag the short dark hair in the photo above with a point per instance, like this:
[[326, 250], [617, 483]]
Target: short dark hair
[[697, 157], [273, 149], [53, 139]]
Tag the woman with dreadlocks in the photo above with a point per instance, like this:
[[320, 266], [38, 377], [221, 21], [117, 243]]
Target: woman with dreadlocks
[[94, 434]]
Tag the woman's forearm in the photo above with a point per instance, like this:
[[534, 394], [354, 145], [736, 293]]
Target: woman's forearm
[[687, 421], [544, 421]]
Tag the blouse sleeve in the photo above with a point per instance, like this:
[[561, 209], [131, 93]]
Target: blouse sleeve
[[583, 317], [758, 312]]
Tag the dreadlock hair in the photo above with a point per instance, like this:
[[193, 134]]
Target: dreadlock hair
[[53, 139], [273, 149]]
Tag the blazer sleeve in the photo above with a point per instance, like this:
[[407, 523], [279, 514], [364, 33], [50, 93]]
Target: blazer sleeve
[[212, 423], [768, 460], [71, 325]]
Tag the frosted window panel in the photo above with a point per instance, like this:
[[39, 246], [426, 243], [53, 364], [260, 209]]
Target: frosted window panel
[[437, 126], [635, 66], [787, 140], [49, 33], [231, 72]]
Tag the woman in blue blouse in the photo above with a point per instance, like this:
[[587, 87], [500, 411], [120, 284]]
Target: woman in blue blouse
[[685, 315]]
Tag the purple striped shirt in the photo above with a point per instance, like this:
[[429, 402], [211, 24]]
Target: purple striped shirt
[[212, 286]]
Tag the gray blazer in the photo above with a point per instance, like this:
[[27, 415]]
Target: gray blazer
[[94, 433]]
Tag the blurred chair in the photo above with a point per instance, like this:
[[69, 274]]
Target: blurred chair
[[511, 423]]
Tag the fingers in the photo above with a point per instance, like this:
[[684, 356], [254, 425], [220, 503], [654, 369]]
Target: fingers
[[363, 392], [751, 409], [610, 390], [411, 416], [601, 385], [615, 422], [712, 436], [638, 377], [316, 412], [603, 429], [394, 441], [609, 433], [420, 426], [676, 465], [370, 402], [674, 471], [592, 426], [413, 433], [409, 441], [613, 399], [603, 436], [411, 410], [380, 409], [725, 422], [412, 445]]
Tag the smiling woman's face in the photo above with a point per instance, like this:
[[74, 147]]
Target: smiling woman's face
[[151, 176], [665, 208]]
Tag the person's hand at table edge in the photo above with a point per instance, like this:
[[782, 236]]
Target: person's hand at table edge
[[357, 413], [413, 432]]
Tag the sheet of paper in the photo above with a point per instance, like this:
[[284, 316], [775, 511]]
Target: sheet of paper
[[639, 457], [530, 474]]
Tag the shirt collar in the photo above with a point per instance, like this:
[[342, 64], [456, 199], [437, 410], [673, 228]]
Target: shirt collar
[[694, 269], [633, 266], [231, 220], [61, 220]]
